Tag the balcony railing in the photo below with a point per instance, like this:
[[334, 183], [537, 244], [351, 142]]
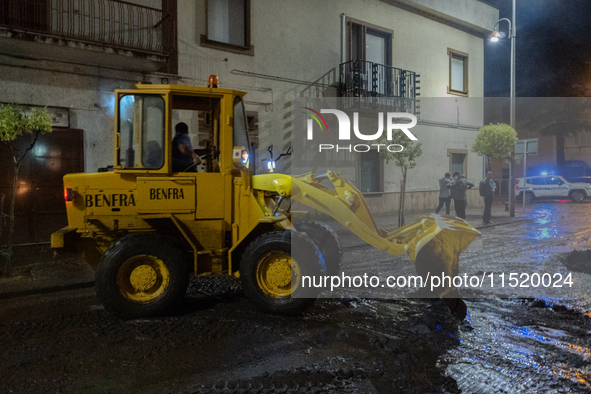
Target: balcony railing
[[106, 22], [373, 85]]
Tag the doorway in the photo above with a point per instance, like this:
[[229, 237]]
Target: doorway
[[40, 207]]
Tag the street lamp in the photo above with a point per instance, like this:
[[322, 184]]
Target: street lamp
[[494, 37]]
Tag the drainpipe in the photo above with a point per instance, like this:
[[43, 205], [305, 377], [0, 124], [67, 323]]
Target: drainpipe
[[343, 38]]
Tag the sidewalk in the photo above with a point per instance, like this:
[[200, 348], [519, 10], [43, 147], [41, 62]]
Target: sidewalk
[[36, 270]]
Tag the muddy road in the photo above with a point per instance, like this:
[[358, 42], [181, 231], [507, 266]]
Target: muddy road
[[64, 342]]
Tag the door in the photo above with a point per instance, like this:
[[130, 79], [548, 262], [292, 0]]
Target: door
[[539, 186], [372, 46], [557, 187], [40, 207]]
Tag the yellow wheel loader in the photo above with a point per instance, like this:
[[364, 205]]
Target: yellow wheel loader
[[144, 225]]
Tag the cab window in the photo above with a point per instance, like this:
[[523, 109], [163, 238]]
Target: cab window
[[536, 181], [240, 135], [202, 117], [141, 131]]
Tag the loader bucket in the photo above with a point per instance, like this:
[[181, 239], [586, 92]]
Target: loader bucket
[[435, 248], [434, 242]]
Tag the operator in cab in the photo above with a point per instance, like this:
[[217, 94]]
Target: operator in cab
[[184, 159]]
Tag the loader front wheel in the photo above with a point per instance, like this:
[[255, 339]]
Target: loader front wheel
[[141, 275], [272, 278], [328, 243]]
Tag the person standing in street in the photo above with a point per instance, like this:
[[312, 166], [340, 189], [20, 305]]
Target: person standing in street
[[444, 193], [458, 193], [487, 189]]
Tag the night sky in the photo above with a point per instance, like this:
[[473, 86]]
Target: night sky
[[553, 50]]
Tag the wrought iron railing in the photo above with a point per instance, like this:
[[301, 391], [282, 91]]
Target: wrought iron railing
[[106, 22], [320, 87], [374, 85]]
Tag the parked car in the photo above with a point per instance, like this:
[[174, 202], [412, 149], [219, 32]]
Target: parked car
[[552, 186]]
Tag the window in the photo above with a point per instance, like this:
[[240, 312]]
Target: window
[[228, 26], [369, 43], [458, 72], [240, 131], [554, 181], [371, 46], [458, 162], [141, 130], [370, 171], [202, 116]]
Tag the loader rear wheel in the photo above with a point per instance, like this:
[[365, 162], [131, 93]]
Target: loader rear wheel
[[141, 275], [328, 243], [272, 278]]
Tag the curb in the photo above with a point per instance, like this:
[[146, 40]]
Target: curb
[[483, 226], [44, 290]]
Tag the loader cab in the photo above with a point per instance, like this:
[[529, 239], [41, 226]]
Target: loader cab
[[145, 120]]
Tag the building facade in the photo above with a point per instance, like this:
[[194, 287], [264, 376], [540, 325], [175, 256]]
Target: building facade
[[282, 51]]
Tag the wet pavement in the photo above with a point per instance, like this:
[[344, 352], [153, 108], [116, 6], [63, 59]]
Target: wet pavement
[[530, 344], [513, 341]]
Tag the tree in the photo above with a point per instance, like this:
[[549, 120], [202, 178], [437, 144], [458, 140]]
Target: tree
[[494, 140], [15, 123], [404, 159]]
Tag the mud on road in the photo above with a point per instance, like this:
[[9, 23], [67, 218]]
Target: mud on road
[[217, 342]]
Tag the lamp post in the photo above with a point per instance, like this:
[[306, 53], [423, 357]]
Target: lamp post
[[494, 37]]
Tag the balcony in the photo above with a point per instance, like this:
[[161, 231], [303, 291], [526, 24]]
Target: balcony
[[377, 86], [130, 36]]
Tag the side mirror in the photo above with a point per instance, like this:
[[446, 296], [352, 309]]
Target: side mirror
[[240, 157]]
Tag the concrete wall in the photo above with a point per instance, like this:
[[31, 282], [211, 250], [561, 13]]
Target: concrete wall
[[302, 40], [299, 40], [417, 201], [87, 92], [472, 14]]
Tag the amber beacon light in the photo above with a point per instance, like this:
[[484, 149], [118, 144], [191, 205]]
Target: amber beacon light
[[213, 81]]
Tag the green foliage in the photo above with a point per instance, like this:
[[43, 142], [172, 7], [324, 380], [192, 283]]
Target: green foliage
[[14, 122], [494, 140], [405, 159]]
